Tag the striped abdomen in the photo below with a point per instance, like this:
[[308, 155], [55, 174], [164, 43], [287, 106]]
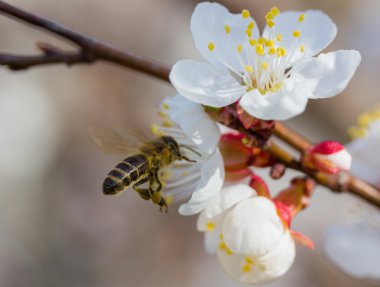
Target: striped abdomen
[[125, 173]]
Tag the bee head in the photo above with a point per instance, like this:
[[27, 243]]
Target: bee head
[[173, 145]]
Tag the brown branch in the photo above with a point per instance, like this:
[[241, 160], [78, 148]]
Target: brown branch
[[90, 49]]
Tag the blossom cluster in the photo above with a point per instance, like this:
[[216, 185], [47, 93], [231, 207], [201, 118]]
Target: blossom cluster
[[250, 80]]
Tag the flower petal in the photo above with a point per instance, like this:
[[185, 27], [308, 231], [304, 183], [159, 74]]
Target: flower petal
[[205, 84], [228, 197], [194, 122], [331, 72], [208, 25], [210, 184], [317, 31], [260, 269], [288, 102], [355, 250], [253, 227]]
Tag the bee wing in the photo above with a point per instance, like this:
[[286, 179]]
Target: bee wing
[[113, 142], [132, 134]]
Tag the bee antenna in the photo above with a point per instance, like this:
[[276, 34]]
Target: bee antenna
[[187, 159], [189, 148]]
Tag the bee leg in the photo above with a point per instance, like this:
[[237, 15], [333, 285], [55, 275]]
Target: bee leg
[[143, 192], [155, 187]]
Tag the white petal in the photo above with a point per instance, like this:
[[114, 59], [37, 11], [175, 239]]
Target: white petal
[[342, 159], [205, 84], [288, 102], [331, 72], [194, 122], [355, 250], [317, 31], [265, 268], [210, 184], [228, 197], [253, 227], [211, 238], [207, 25]]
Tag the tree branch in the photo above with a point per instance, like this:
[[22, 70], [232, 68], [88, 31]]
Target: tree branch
[[90, 49]]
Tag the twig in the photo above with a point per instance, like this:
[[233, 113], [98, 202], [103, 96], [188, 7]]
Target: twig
[[90, 49]]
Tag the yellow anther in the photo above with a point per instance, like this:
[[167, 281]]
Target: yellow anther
[[275, 11], [247, 268], [211, 46], [251, 25], [167, 123], [364, 120], [245, 13], [162, 114], [249, 261], [356, 132], [265, 65], [261, 40], [297, 33], [272, 51], [301, 17], [281, 52], [156, 130], [239, 48], [166, 106], [249, 33], [249, 69], [210, 226], [269, 43], [221, 236], [270, 23], [259, 49], [227, 29], [269, 16], [279, 37], [252, 42], [302, 48]]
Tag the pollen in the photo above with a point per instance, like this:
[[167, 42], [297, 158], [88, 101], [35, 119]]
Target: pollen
[[167, 123], [240, 48], [249, 260], [251, 25], [247, 268], [269, 43], [227, 28], [252, 42], [272, 51], [296, 33], [249, 33], [281, 52], [269, 16], [302, 48], [156, 130], [261, 40], [279, 37], [265, 65], [210, 226], [301, 17], [249, 69], [275, 11], [270, 23], [162, 114], [211, 46], [166, 106], [259, 49], [245, 13]]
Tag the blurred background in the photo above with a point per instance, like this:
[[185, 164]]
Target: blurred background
[[57, 228]]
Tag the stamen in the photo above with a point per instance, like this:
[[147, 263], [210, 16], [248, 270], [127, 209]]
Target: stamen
[[269, 43], [252, 42], [301, 18], [259, 49], [249, 33], [166, 106], [249, 69], [297, 33], [211, 46], [271, 23], [272, 51], [302, 48], [210, 226], [275, 11], [245, 13], [279, 37], [265, 65], [251, 25], [240, 48], [247, 268], [227, 29]]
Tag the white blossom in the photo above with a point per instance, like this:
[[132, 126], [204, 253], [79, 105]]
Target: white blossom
[[273, 75], [190, 126], [246, 232]]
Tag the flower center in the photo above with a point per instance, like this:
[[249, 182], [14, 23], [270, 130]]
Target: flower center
[[265, 62]]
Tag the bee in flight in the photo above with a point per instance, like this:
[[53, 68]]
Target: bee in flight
[[145, 159]]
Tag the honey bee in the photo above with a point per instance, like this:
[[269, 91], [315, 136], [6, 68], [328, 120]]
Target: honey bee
[[145, 158]]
